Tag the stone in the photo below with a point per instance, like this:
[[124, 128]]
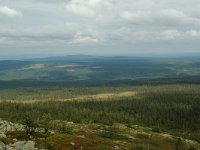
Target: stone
[[18, 145], [15, 140], [2, 146], [70, 123], [6, 126], [52, 132], [72, 144], [116, 147], [23, 145], [81, 136], [29, 145], [2, 135], [9, 147]]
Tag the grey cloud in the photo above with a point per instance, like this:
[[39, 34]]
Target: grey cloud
[[90, 24], [10, 12], [166, 17]]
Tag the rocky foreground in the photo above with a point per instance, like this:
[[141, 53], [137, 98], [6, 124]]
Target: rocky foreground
[[6, 127], [90, 137]]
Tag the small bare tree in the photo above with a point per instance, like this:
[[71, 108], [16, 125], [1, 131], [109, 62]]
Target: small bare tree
[[46, 122], [30, 125]]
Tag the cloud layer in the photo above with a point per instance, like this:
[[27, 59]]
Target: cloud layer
[[95, 26], [9, 12]]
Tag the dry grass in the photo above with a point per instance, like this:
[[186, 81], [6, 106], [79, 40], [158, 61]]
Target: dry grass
[[103, 96], [97, 97]]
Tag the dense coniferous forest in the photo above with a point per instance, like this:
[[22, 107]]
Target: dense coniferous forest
[[165, 107]]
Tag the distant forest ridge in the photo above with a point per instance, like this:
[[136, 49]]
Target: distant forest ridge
[[97, 70]]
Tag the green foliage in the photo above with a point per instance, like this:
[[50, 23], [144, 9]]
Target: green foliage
[[169, 107], [45, 122], [5, 140], [20, 135], [195, 136], [142, 136], [112, 135], [179, 144], [30, 125], [63, 128], [156, 129]]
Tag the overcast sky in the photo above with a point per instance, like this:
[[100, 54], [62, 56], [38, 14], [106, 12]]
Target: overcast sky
[[103, 27]]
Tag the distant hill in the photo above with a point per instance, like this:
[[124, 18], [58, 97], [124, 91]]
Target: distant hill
[[83, 57], [79, 68]]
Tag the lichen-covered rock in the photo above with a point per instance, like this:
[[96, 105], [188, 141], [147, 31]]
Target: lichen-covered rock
[[30, 145], [2, 135], [23, 145], [18, 145], [6, 126], [192, 144], [2, 146], [8, 147]]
